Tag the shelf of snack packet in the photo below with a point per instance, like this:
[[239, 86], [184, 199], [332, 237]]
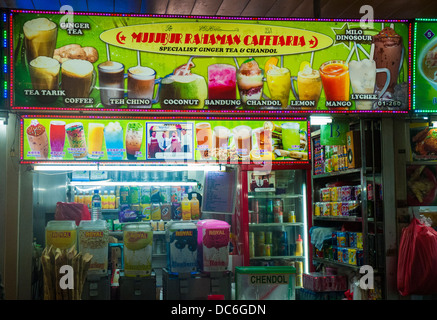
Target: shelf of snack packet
[[347, 197], [342, 248]]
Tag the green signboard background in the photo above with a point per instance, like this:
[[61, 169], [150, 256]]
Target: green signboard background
[[425, 67], [155, 140], [326, 37]]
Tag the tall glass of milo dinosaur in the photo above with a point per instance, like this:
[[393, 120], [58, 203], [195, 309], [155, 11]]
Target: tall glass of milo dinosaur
[[40, 36]]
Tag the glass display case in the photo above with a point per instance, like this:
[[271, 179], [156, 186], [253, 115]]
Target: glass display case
[[277, 223]]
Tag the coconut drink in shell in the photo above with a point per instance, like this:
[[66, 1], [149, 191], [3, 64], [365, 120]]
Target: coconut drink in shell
[[183, 89]]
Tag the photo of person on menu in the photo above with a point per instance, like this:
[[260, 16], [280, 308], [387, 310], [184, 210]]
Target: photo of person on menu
[[165, 142], [260, 182], [153, 144], [175, 142], [186, 140]]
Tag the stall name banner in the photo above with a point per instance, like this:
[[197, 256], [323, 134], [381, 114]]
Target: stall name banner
[[217, 141], [162, 64], [216, 39], [425, 67]]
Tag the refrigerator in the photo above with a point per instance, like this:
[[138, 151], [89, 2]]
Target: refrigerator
[[273, 216]]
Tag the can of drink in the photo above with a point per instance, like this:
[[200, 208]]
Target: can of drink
[[255, 205], [269, 206], [261, 249], [277, 206], [251, 244], [278, 217], [270, 218], [268, 250], [255, 217], [269, 237], [283, 244], [260, 237]]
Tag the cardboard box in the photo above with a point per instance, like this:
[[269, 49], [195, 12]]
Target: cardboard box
[[353, 149]]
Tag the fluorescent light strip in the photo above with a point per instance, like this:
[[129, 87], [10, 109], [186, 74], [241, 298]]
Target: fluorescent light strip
[[305, 229], [133, 183], [319, 120], [63, 168], [128, 168]]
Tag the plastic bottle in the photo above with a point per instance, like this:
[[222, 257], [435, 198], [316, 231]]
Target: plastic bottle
[[88, 199], [292, 217], [111, 200], [299, 248], [186, 208], [96, 211], [195, 209], [105, 200], [76, 197], [80, 199]]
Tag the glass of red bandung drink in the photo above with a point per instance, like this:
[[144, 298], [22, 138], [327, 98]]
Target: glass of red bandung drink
[[57, 139], [222, 82]]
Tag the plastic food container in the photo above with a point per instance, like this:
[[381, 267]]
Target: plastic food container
[[137, 252], [93, 237], [181, 239], [61, 234], [213, 245]]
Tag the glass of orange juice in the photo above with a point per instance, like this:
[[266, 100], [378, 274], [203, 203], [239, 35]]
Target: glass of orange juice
[[335, 79], [95, 140], [204, 139]]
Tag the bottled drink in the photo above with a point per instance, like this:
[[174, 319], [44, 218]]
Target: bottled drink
[[299, 249], [80, 199], [105, 199], [195, 209], [96, 211], [111, 200], [186, 208], [88, 199]]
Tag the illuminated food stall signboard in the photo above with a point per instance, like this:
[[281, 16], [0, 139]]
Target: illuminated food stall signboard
[[121, 62], [424, 87], [216, 140]]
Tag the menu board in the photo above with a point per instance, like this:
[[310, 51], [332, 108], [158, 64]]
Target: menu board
[[221, 140], [425, 67], [142, 63], [219, 194]]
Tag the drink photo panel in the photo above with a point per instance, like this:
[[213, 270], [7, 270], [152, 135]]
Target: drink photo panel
[[170, 141]]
